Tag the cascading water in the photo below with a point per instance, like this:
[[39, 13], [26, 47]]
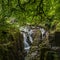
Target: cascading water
[[27, 35], [26, 45], [43, 32], [30, 32]]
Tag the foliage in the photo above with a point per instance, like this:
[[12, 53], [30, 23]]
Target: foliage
[[14, 13], [30, 11]]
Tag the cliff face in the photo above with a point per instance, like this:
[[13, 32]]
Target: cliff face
[[13, 48], [34, 50], [17, 50], [42, 49]]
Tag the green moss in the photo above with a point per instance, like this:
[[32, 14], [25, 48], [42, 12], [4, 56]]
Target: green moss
[[13, 47], [58, 27]]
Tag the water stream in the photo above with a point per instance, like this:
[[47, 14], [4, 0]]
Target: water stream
[[27, 35]]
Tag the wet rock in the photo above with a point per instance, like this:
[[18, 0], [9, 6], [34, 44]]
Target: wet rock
[[33, 53], [54, 39], [57, 38]]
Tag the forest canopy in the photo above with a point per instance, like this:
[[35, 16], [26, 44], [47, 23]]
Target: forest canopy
[[29, 11]]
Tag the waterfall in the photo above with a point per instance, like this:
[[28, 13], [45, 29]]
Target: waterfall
[[26, 33], [43, 32], [30, 32], [26, 45]]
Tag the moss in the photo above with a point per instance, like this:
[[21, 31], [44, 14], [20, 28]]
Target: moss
[[58, 27], [13, 48]]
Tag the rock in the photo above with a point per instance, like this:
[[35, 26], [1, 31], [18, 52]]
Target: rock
[[57, 38], [33, 53], [13, 49]]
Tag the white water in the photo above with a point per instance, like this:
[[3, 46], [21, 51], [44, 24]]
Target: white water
[[26, 45], [30, 35], [28, 32], [42, 31]]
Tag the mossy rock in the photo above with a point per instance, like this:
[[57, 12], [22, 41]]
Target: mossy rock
[[57, 38], [13, 49], [51, 55], [58, 27]]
